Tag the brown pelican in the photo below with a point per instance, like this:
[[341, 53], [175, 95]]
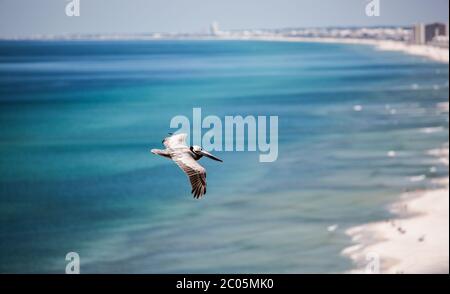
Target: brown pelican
[[186, 158]]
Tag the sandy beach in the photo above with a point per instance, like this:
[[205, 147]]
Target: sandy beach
[[416, 241], [431, 52], [434, 53]]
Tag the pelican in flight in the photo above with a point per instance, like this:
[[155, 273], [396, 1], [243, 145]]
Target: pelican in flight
[[186, 158]]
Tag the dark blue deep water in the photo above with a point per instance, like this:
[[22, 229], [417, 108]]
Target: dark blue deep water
[[77, 121]]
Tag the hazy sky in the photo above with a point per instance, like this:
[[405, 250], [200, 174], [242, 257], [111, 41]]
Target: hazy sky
[[26, 17]]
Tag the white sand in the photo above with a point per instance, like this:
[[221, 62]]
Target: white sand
[[435, 53], [416, 241], [415, 244], [431, 52]]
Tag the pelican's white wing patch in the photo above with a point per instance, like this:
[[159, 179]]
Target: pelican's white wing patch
[[175, 141]]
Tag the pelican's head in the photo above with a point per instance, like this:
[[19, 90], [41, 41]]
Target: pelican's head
[[196, 149], [199, 151]]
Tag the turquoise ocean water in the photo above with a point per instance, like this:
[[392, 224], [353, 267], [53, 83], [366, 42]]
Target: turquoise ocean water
[[77, 121]]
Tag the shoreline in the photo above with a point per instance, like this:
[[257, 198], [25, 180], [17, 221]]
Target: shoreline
[[415, 241], [438, 54]]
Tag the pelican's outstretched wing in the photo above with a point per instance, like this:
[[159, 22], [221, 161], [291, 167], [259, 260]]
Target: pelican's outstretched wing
[[175, 141], [195, 172]]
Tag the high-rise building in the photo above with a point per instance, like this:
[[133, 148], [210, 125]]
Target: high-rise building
[[214, 29], [419, 34], [423, 34], [434, 30]]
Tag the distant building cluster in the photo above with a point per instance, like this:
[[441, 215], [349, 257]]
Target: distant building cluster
[[435, 34], [382, 33], [379, 33]]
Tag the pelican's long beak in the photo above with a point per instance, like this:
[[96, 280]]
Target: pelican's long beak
[[207, 154]]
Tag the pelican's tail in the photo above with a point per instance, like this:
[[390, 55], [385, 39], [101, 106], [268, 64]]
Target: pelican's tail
[[163, 153]]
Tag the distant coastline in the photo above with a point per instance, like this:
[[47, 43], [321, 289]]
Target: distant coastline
[[439, 54]]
